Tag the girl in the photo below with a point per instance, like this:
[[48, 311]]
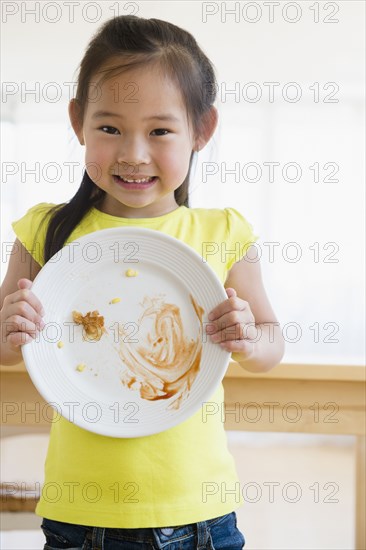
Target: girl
[[143, 107]]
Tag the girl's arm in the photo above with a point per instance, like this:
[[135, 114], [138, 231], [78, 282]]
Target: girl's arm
[[245, 323], [21, 311]]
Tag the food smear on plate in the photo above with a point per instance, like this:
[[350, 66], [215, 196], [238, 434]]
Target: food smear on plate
[[60, 344], [131, 273], [165, 362], [92, 322]]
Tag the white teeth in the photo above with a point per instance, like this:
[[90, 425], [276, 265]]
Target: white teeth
[[145, 180]]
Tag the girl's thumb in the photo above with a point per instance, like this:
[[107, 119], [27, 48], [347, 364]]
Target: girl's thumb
[[24, 283], [231, 292]]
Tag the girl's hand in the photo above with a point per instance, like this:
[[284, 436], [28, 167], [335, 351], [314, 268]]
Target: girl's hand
[[232, 325], [21, 316]]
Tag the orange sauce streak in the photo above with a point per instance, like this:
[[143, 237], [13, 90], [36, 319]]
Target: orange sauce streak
[[166, 363]]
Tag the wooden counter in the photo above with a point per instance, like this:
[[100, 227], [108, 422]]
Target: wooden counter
[[322, 399]]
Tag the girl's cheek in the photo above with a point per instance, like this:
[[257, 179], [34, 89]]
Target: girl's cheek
[[94, 154], [94, 169]]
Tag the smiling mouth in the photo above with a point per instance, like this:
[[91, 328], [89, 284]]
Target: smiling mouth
[[149, 179]]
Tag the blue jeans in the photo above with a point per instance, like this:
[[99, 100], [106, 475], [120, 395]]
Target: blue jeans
[[214, 534]]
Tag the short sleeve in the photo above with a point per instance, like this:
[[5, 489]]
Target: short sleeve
[[240, 236], [31, 230]]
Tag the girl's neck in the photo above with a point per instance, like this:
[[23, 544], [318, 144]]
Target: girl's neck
[[110, 206]]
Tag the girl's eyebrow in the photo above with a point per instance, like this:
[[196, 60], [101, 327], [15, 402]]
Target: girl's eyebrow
[[168, 117]]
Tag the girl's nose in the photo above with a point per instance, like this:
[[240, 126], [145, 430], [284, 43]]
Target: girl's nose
[[133, 153]]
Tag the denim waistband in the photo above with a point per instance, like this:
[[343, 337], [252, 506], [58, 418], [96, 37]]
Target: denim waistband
[[162, 538]]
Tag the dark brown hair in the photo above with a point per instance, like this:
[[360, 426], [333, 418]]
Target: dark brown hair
[[123, 43]]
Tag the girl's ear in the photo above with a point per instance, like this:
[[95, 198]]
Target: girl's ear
[[207, 128], [75, 118]]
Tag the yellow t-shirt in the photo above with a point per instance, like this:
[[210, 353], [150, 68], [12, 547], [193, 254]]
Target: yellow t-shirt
[[185, 474]]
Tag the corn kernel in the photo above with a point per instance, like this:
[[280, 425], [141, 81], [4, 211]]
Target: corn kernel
[[115, 301], [131, 273], [60, 344], [80, 367]]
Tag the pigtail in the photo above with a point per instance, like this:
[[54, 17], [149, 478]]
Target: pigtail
[[65, 217]]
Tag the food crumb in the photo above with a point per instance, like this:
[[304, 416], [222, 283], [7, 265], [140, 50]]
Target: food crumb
[[92, 322], [60, 344], [131, 273], [80, 367], [115, 301]]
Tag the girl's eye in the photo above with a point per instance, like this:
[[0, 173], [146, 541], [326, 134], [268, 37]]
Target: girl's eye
[[166, 132], [109, 130], [112, 130]]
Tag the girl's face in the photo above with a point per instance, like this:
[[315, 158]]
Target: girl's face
[[135, 128]]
